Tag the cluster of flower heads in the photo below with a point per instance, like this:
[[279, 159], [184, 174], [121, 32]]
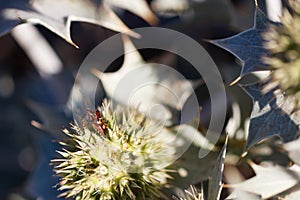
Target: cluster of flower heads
[[114, 154], [283, 45]]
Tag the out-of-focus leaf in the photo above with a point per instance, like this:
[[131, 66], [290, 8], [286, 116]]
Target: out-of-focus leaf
[[271, 116], [138, 7], [238, 12], [41, 181], [170, 6], [215, 183], [147, 85], [248, 45], [293, 196], [242, 195], [241, 105], [191, 169], [293, 149], [270, 181], [58, 15], [53, 119]]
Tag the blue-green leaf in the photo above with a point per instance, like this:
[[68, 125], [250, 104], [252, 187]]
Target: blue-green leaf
[[272, 115], [248, 45], [58, 15], [215, 183]]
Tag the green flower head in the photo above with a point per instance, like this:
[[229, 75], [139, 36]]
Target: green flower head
[[115, 154], [283, 45]]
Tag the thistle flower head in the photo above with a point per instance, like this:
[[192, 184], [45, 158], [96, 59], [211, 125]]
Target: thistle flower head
[[283, 45], [114, 155], [191, 194]]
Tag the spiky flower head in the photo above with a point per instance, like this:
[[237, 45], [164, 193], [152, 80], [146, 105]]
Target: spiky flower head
[[283, 45], [191, 194], [115, 154]]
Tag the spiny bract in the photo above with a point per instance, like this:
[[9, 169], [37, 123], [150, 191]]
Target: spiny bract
[[283, 44], [125, 160]]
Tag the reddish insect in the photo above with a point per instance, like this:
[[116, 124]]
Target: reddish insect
[[99, 124], [98, 115]]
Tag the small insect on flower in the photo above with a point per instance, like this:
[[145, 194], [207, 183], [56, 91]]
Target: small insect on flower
[[101, 123], [124, 164], [98, 122]]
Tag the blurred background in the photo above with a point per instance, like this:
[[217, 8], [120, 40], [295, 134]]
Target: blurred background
[[34, 91]]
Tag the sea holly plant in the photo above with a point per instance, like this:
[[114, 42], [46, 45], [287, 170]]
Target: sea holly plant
[[152, 141], [270, 46], [122, 152]]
